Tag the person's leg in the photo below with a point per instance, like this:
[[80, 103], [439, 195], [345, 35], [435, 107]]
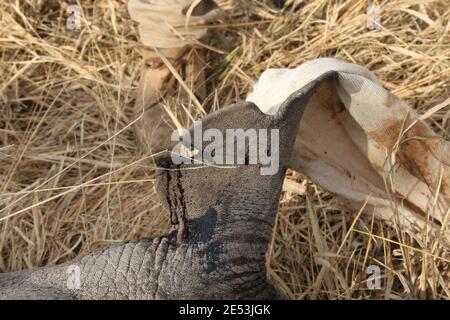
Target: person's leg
[[162, 25]]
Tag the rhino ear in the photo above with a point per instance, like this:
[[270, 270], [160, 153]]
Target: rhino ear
[[289, 114]]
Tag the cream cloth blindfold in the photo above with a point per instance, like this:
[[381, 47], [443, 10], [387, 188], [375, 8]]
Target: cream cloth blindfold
[[358, 140]]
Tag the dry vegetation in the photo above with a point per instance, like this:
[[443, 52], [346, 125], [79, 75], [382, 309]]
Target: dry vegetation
[[72, 179]]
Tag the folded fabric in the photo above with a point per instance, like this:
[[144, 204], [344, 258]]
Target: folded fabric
[[365, 145], [171, 23]]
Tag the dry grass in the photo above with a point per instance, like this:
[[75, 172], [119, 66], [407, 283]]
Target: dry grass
[[72, 178]]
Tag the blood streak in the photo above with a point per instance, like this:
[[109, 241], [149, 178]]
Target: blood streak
[[173, 216], [173, 206], [183, 206]]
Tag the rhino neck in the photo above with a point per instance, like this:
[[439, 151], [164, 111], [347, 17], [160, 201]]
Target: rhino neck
[[232, 239], [223, 258]]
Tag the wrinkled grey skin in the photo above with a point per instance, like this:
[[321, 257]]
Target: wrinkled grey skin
[[229, 213]]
